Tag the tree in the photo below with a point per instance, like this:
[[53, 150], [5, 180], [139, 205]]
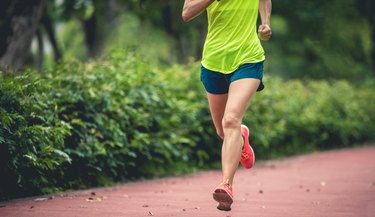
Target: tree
[[325, 39], [367, 8], [188, 37], [96, 18], [20, 24]]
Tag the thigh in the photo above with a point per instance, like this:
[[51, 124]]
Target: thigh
[[239, 96], [217, 104]]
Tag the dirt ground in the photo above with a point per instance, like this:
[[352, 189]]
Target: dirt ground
[[329, 184]]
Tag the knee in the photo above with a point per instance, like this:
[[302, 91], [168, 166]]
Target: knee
[[220, 133], [230, 121]]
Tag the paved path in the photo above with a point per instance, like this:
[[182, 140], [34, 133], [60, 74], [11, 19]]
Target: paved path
[[331, 184]]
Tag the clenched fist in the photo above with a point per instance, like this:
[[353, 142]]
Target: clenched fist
[[264, 32]]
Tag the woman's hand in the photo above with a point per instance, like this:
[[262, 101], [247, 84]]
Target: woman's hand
[[264, 32]]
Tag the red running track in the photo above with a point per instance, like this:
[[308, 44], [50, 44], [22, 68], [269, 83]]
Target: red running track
[[329, 184]]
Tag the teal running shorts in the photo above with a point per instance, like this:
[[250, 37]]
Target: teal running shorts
[[218, 83]]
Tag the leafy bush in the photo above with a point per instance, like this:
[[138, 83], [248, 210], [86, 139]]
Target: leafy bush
[[31, 137], [90, 124], [296, 117]]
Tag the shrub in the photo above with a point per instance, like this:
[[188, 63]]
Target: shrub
[[31, 138], [89, 124], [297, 117]]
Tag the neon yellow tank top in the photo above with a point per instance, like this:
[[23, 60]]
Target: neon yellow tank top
[[232, 37]]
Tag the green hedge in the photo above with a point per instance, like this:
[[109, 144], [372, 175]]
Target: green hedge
[[298, 117], [89, 124]]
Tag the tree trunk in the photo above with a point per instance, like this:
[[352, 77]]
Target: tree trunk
[[24, 23], [90, 30], [50, 30], [171, 28], [102, 20], [40, 56]]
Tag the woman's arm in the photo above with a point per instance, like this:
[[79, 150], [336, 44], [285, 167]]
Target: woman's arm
[[192, 8], [264, 31]]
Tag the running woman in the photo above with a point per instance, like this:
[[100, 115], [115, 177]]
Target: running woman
[[231, 72]]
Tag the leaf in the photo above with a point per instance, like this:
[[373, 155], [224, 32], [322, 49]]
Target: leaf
[[64, 155]]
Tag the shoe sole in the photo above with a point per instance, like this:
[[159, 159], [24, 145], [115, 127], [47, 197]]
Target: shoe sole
[[253, 158], [224, 200], [252, 151]]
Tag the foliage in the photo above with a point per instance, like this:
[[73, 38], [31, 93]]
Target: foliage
[[322, 39], [98, 122], [316, 39], [153, 44], [72, 41], [31, 137], [296, 116], [89, 124]]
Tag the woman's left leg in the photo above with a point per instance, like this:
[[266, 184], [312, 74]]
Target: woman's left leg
[[239, 96]]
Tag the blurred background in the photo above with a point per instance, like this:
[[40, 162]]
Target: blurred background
[[98, 92], [317, 39]]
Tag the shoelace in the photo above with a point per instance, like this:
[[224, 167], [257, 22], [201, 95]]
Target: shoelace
[[244, 155]]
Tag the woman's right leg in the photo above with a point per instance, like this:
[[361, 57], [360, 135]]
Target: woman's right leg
[[217, 103]]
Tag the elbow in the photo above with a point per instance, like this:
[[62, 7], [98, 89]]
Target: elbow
[[185, 16]]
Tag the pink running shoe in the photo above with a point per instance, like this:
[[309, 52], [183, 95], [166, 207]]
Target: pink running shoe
[[223, 194], [247, 156]]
